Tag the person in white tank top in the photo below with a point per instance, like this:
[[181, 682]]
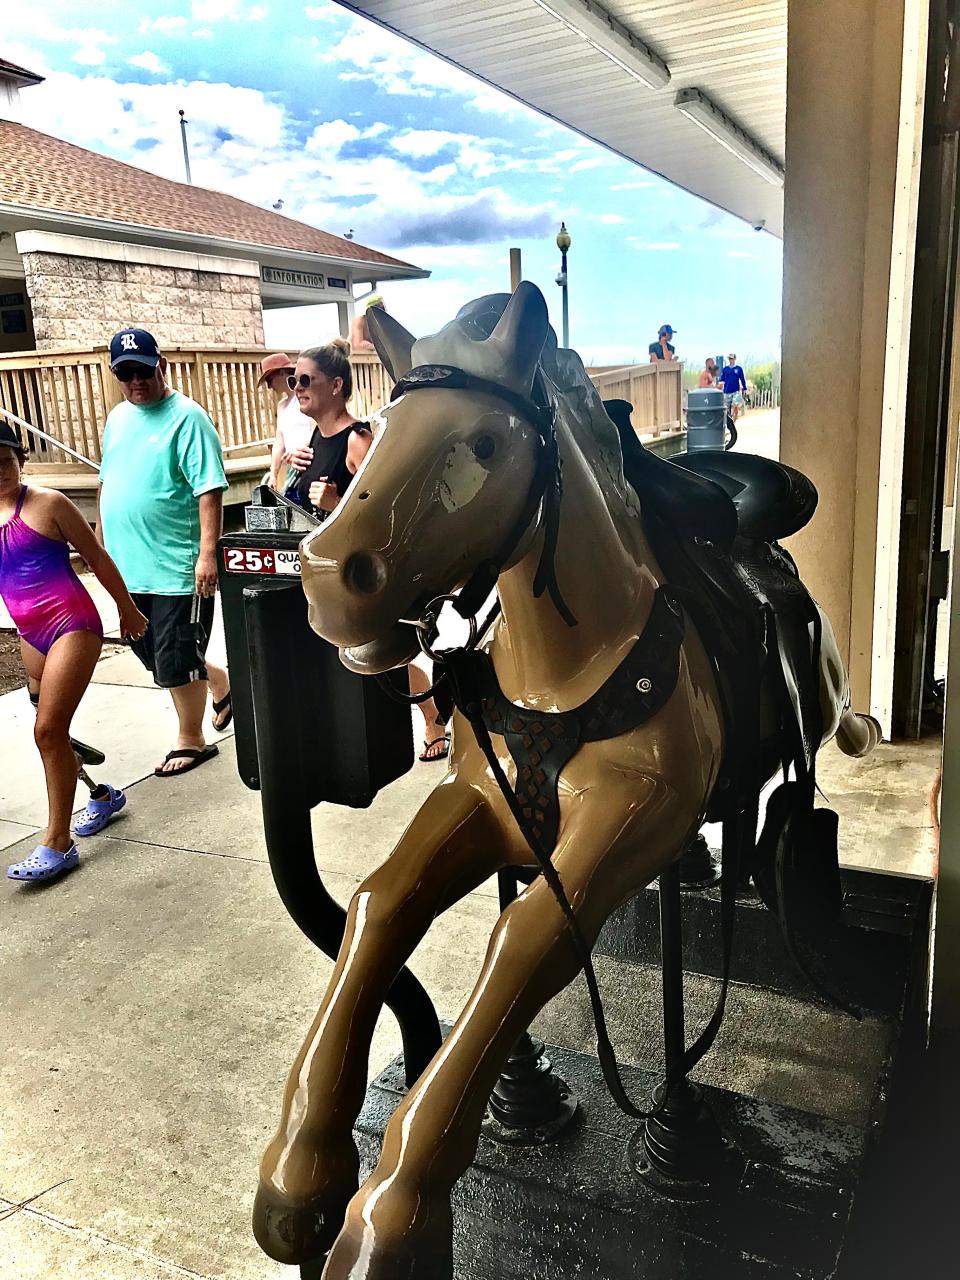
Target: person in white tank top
[[294, 429]]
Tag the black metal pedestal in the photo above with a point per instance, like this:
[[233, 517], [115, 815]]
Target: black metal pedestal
[[699, 865], [680, 1150]]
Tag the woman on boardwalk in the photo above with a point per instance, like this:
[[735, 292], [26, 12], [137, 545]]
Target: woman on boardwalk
[[60, 641], [323, 383]]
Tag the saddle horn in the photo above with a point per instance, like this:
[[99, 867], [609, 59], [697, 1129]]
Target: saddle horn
[[393, 342]]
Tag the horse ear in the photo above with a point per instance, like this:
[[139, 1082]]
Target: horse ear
[[521, 332], [392, 341]]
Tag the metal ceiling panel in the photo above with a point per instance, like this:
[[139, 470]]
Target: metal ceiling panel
[[733, 51]]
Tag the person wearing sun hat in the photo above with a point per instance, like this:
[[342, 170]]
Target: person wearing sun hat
[[294, 430], [60, 640]]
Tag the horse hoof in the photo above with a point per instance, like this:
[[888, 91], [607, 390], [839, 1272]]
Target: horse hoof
[[293, 1233], [359, 1256]]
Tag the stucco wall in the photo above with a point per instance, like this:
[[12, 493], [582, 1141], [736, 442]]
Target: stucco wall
[[78, 301], [843, 121]]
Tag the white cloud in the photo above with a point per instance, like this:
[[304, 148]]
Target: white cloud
[[164, 24], [148, 61], [389, 204], [214, 10], [652, 246], [631, 186], [89, 55], [610, 219], [396, 67], [739, 253], [424, 142], [202, 33], [319, 13], [590, 162]]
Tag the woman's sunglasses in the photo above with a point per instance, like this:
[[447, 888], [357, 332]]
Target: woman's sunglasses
[[303, 381]]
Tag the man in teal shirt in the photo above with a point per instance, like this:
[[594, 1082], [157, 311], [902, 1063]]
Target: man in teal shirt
[[160, 513]]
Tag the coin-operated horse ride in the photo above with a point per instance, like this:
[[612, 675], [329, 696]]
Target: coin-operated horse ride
[[654, 662]]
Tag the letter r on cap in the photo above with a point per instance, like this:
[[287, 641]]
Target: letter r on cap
[[128, 342]]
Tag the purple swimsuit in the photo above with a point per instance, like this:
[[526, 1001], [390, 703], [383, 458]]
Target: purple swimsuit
[[45, 597]]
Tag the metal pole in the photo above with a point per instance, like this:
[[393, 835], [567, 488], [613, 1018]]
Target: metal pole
[[186, 153], [516, 271], [671, 942], [58, 444], [566, 311]]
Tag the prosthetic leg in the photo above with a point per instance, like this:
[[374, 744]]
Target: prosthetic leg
[[105, 801]]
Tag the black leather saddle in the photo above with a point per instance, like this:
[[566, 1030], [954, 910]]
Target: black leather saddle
[[692, 506], [765, 500], [772, 500]]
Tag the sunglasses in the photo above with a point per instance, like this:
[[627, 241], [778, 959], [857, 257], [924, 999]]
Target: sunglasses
[[127, 372], [302, 382]]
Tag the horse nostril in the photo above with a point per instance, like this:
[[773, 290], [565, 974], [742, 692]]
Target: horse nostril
[[365, 572]]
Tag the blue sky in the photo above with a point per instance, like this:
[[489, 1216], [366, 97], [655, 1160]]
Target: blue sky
[[354, 128]]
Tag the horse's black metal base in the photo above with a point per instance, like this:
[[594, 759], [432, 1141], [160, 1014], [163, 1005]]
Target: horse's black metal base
[[529, 1103], [576, 1207], [699, 866], [680, 1151]]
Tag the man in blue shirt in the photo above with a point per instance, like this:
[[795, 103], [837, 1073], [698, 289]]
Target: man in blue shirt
[[159, 514], [734, 385]]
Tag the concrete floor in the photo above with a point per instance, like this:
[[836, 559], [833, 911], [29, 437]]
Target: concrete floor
[[153, 999]]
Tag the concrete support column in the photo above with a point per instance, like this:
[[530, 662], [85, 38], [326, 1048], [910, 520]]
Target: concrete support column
[[345, 317], [848, 255]]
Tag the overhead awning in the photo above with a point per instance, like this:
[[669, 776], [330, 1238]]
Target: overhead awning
[[694, 90]]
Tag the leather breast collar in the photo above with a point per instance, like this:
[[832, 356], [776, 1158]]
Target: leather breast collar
[[543, 743]]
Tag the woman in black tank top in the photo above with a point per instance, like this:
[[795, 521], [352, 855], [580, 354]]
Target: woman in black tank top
[[323, 383], [329, 463]]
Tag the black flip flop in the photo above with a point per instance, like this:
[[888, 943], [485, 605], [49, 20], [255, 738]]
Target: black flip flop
[[440, 755], [193, 754], [223, 705]]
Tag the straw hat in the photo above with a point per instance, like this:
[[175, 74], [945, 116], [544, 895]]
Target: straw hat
[[274, 364]]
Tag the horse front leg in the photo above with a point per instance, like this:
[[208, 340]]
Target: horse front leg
[[309, 1171], [399, 1224]]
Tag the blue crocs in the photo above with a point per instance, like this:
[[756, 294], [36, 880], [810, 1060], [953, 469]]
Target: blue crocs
[[99, 812], [44, 864]]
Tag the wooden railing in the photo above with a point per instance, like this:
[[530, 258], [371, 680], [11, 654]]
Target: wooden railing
[[69, 393], [654, 390]]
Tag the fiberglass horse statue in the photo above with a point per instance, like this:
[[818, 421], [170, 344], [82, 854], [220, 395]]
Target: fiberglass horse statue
[[593, 735]]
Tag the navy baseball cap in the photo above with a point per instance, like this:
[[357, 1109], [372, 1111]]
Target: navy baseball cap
[[134, 346], [667, 328]]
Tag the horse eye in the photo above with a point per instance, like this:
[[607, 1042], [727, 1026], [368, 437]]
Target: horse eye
[[484, 447]]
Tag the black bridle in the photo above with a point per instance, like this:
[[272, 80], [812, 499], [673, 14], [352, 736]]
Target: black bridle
[[546, 487]]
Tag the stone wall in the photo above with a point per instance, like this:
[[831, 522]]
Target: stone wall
[[80, 301]]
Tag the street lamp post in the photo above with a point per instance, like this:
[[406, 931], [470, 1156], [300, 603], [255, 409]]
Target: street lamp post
[[563, 244]]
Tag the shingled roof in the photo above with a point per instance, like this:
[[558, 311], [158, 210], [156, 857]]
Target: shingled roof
[[41, 172]]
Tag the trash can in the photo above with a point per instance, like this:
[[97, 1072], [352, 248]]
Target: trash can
[[706, 419], [325, 732]]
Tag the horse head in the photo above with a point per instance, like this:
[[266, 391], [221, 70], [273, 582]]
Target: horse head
[[444, 487]]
